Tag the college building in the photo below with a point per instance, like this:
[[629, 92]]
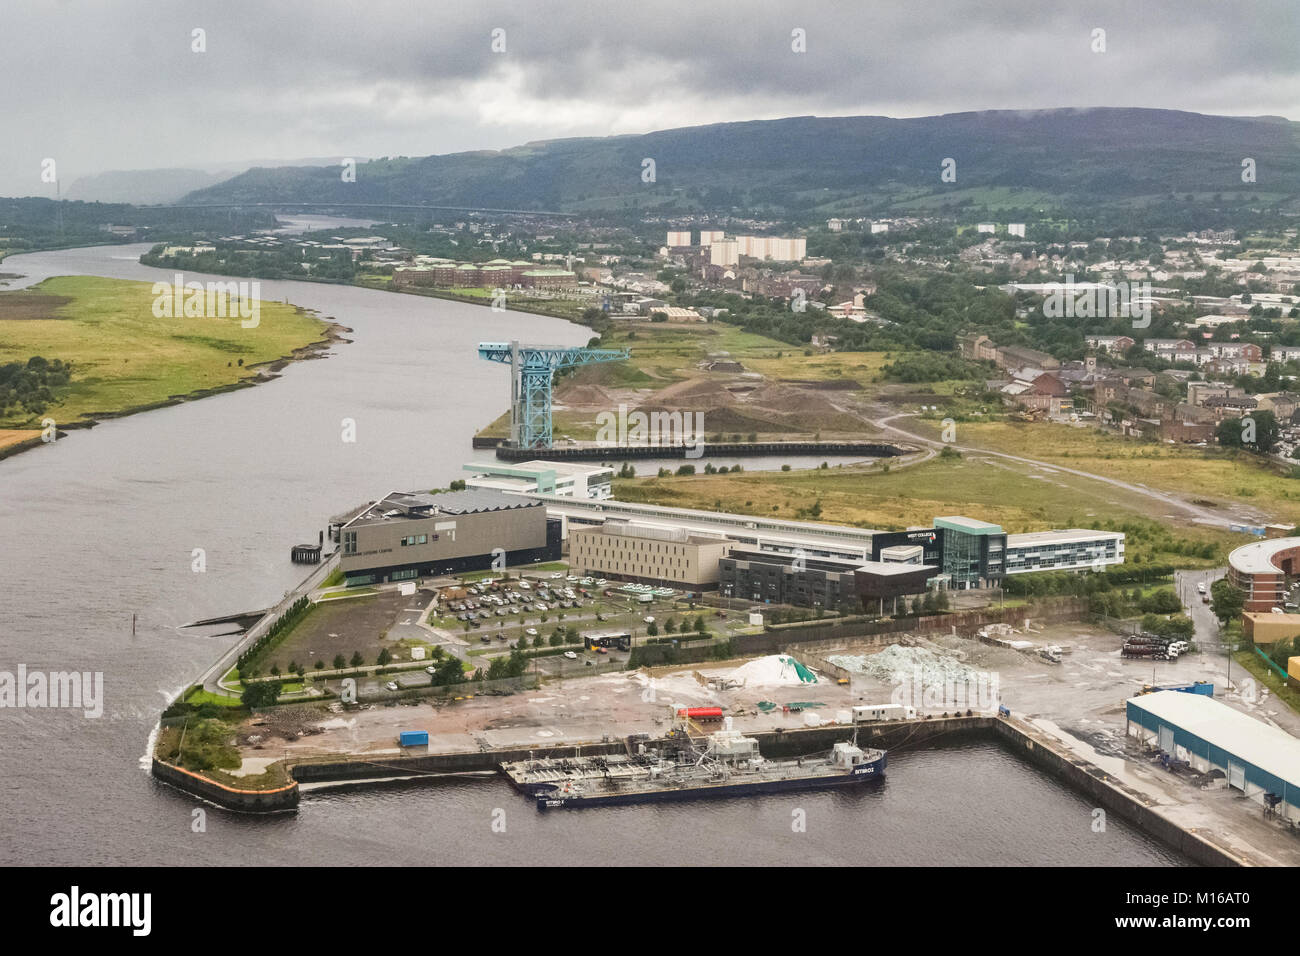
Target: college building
[[409, 535], [645, 554]]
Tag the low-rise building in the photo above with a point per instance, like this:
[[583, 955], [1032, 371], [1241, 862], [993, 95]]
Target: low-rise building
[[408, 535], [647, 554], [570, 479]]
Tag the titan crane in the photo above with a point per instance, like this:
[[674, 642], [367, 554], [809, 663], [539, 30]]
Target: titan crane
[[532, 374]]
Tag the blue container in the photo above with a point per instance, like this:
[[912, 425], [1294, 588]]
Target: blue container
[[414, 738]]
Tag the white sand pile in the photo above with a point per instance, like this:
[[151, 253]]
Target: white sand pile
[[775, 670]]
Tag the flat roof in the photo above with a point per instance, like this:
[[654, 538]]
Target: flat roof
[[1063, 536], [787, 530], [1257, 558], [415, 505], [969, 525], [1268, 748], [536, 467], [893, 568]]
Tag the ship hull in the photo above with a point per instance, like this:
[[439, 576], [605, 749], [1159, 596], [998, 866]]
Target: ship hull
[[559, 800]]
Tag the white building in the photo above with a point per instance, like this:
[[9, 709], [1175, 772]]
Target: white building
[[1073, 549], [561, 478], [724, 252], [1016, 229], [709, 236], [878, 227], [779, 248], [678, 239]]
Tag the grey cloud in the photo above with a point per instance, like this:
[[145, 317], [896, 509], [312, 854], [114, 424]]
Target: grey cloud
[[113, 84]]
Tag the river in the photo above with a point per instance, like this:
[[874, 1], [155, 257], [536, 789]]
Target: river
[[102, 526]]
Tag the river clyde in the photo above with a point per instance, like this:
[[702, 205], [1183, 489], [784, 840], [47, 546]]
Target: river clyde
[[102, 525]]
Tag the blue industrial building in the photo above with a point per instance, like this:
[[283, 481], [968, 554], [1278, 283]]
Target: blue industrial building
[[1255, 758]]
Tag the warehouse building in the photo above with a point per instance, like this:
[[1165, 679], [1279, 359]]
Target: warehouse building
[[1259, 760], [646, 554], [409, 535]]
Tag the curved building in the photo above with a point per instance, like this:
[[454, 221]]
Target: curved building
[[1260, 570]]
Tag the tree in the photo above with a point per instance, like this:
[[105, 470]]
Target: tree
[[340, 662], [384, 657], [652, 629], [261, 694], [357, 659], [1226, 601]]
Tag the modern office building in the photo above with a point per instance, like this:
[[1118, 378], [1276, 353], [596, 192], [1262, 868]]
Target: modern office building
[[971, 553], [879, 582], [788, 579], [645, 554], [1260, 570], [568, 479], [963, 552], [1074, 549], [408, 535], [1261, 761], [974, 552]]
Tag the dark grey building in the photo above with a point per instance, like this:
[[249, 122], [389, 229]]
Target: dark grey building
[[409, 535], [788, 579]]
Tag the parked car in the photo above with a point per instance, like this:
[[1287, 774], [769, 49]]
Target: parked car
[[391, 685], [570, 656]]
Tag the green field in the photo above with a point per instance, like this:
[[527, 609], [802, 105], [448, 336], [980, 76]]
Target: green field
[[124, 358]]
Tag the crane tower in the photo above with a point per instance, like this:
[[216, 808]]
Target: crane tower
[[532, 376]]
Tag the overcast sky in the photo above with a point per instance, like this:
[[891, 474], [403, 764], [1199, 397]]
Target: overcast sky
[[113, 84]]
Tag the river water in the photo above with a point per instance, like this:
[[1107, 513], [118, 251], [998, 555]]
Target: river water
[[102, 525]]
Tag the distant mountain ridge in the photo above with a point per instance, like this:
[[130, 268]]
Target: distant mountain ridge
[[838, 165], [157, 186]]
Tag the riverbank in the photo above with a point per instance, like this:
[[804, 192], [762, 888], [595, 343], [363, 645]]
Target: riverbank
[[124, 359]]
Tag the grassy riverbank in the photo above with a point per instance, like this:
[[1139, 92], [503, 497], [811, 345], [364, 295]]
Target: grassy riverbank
[[125, 359]]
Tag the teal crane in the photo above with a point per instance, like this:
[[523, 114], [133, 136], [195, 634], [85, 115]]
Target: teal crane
[[532, 377]]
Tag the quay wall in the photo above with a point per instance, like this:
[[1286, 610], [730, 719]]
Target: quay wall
[[246, 801]]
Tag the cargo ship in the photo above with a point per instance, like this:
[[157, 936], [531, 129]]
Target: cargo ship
[[727, 764]]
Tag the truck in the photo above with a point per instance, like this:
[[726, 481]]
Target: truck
[[883, 712], [413, 738], [700, 713]]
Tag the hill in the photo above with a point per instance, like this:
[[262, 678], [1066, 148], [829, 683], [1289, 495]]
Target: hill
[[816, 166]]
